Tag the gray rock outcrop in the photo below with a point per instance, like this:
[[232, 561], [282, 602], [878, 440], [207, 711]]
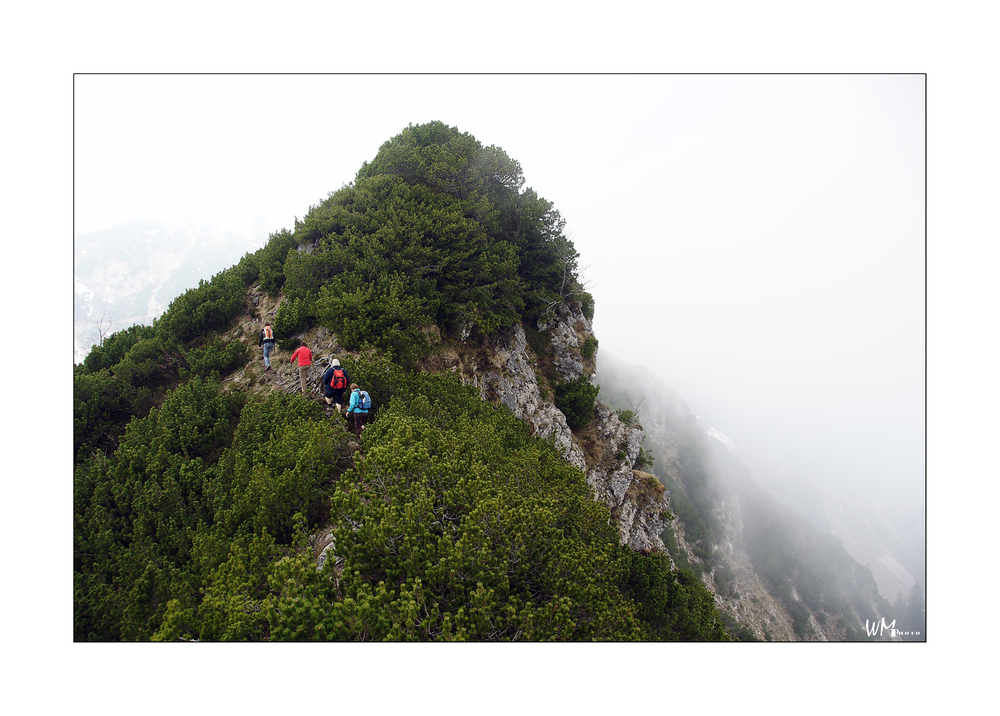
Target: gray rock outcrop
[[637, 500], [568, 329], [511, 380]]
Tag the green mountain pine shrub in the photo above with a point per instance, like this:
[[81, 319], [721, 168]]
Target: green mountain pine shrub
[[190, 487], [576, 399], [459, 525], [114, 348], [456, 525], [271, 261], [216, 359], [294, 315]]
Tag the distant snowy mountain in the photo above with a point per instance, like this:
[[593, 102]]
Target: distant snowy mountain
[[130, 273]]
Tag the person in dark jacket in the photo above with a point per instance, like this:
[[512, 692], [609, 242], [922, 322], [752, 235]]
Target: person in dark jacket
[[267, 340], [335, 376]]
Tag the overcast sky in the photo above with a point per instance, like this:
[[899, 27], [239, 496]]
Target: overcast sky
[[757, 240]]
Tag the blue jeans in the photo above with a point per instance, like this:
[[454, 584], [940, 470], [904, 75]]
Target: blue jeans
[[268, 347]]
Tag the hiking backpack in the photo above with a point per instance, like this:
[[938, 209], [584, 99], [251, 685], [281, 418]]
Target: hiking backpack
[[339, 381], [364, 401]]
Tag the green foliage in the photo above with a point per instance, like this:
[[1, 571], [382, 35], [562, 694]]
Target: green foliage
[[540, 342], [644, 461], [576, 398], [392, 256], [130, 373], [271, 261], [246, 272], [434, 231], [378, 375], [294, 315], [216, 358], [450, 162], [674, 604], [548, 259], [627, 417], [114, 348], [236, 595], [105, 401], [589, 348], [738, 631], [456, 525], [459, 526], [210, 306], [198, 494], [382, 316], [102, 405]]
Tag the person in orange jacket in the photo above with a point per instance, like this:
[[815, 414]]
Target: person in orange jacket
[[305, 357]]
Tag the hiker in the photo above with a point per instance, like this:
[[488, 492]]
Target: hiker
[[305, 357], [267, 340], [335, 381], [360, 405]]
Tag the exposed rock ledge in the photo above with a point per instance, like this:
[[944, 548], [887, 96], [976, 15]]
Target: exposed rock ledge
[[513, 382], [637, 500], [568, 329]]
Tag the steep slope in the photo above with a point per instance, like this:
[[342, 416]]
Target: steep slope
[[772, 573], [505, 371], [861, 520]]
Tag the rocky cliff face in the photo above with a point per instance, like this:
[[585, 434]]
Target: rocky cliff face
[[508, 371], [637, 500], [504, 373]]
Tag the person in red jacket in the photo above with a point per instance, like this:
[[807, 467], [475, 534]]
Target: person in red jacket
[[305, 357]]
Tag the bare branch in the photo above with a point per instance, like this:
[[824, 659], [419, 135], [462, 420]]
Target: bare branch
[[102, 329]]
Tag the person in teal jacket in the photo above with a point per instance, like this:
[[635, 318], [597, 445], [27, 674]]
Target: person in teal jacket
[[354, 408]]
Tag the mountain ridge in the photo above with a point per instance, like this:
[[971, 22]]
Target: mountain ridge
[[204, 486]]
